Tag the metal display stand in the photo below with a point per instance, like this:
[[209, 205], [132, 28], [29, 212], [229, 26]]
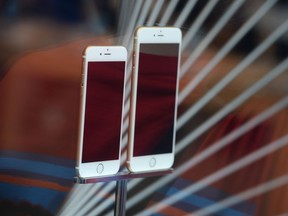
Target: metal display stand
[[121, 185]]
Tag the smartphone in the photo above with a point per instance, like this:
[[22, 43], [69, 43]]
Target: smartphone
[[101, 110], [153, 103]]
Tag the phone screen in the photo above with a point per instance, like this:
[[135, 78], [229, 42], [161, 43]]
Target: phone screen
[[103, 111], [156, 98]]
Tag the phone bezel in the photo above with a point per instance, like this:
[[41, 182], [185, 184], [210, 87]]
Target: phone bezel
[[94, 54], [157, 35]]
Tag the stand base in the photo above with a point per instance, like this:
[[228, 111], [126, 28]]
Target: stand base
[[121, 187], [121, 176]]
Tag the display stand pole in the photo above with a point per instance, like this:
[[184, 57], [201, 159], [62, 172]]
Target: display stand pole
[[120, 197], [121, 185]]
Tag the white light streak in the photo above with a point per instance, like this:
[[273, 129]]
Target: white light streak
[[232, 105], [81, 197], [209, 37], [155, 13], [105, 204], [222, 173], [233, 73], [184, 14], [227, 48], [226, 140], [131, 24], [70, 200], [105, 190], [245, 195], [125, 11], [168, 12], [198, 22]]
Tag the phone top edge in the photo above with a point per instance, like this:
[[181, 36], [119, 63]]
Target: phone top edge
[[154, 29], [113, 51], [101, 47], [158, 35]]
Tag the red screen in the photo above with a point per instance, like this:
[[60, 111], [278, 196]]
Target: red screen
[[155, 102], [103, 112]]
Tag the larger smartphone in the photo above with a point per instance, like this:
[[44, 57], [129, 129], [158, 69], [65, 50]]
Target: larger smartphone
[[153, 111], [101, 110]]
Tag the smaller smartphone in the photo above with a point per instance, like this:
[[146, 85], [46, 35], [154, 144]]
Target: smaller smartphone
[[101, 111], [153, 104]]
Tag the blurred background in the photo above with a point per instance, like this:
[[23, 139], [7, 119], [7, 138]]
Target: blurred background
[[232, 132]]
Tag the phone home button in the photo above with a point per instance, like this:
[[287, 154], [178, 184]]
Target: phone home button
[[100, 168], [152, 162]]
